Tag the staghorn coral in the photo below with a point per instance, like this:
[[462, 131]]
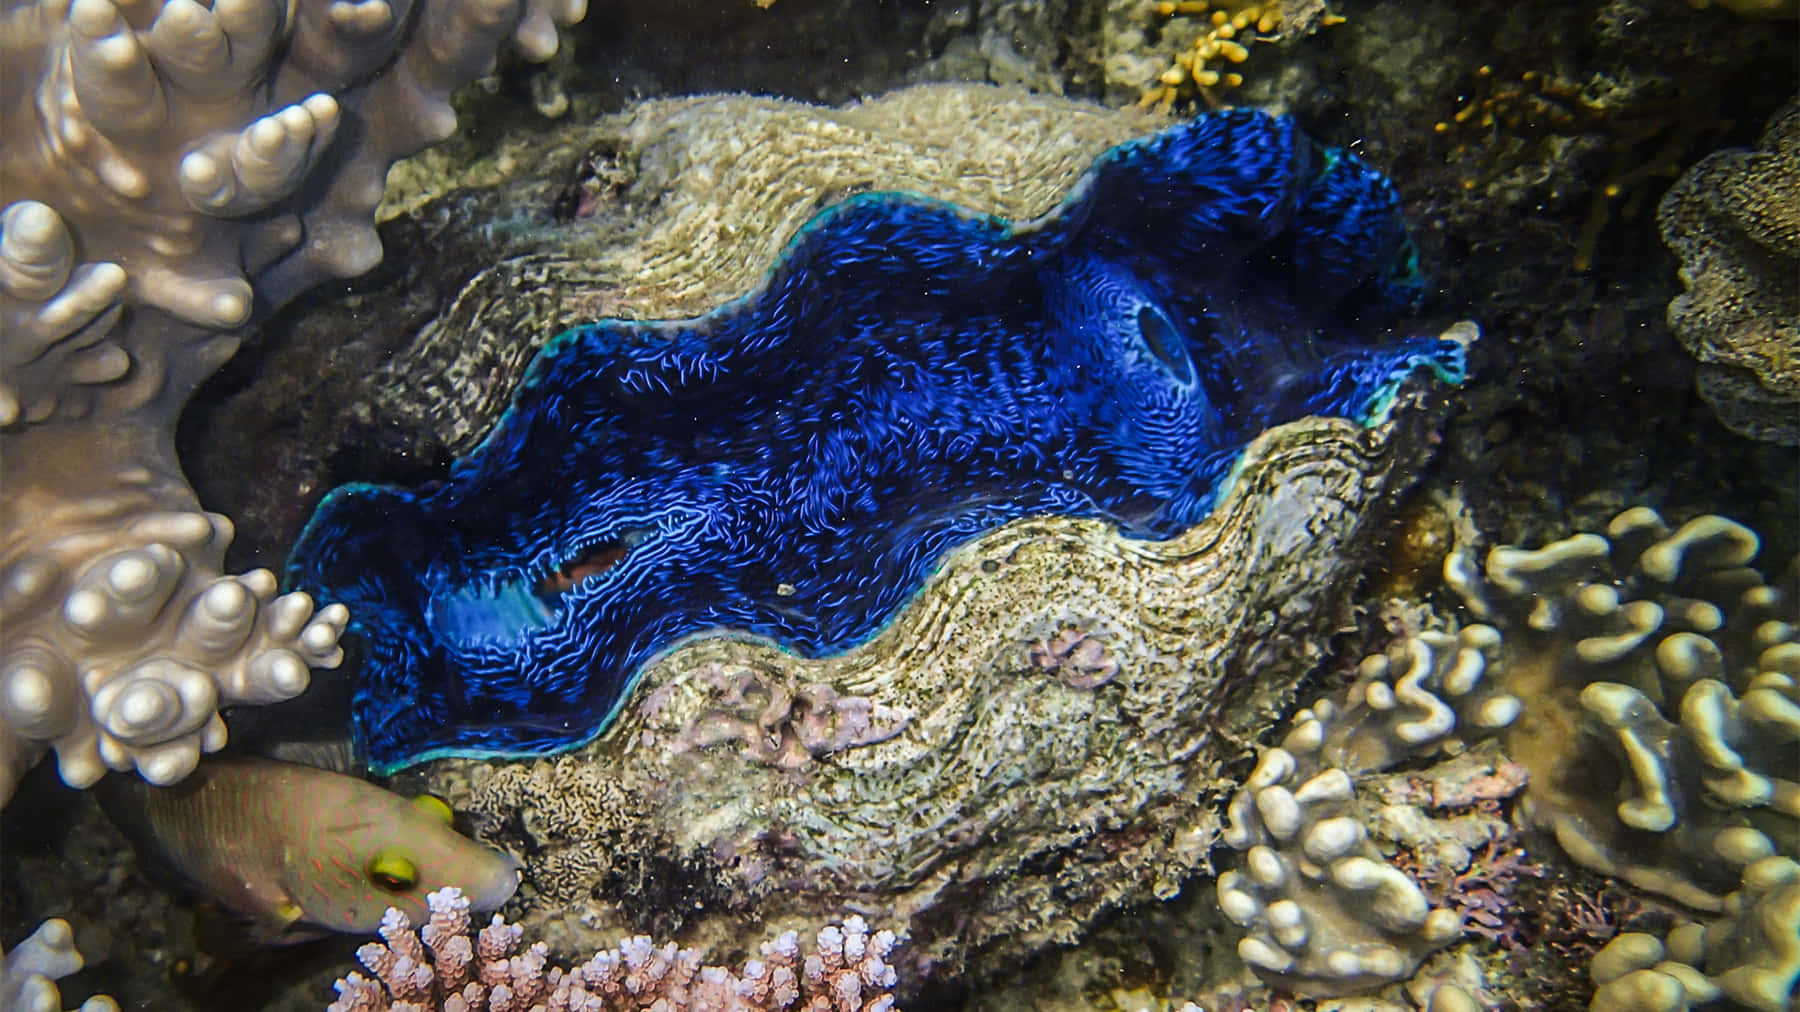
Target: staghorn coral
[[175, 171], [445, 965], [1662, 680], [1734, 222], [29, 973]]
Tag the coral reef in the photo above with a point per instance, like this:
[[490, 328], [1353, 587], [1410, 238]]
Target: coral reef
[[174, 170], [1734, 221], [1749, 957], [1585, 402], [1324, 911], [910, 377], [446, 965], [1662, 677], [29, 973], [1011, 809]]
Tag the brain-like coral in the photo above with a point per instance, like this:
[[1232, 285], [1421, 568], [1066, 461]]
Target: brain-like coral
[[1734, 221]]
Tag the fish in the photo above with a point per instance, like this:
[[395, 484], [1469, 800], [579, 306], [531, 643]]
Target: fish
[[300, 852]]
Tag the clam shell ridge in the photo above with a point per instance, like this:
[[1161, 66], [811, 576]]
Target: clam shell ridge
[[794, 464], [990, 805], [1041, 734]]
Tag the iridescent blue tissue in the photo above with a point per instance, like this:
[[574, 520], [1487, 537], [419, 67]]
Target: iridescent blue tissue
[[795, 464]]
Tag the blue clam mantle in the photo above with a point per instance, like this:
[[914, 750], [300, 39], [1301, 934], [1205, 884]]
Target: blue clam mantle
[[795, 464]]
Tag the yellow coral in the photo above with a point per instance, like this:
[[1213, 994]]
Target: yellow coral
[[1228, 28]]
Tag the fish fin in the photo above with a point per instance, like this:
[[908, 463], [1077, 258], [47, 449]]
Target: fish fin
[[230, 934], [284, 924]]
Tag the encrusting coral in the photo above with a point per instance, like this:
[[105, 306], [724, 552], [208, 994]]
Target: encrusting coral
[[176, 171], [1734, 221], [447, 966]]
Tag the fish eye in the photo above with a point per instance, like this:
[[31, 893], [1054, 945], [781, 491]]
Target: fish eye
[[435, 807], [392, 870], [1166, 344]]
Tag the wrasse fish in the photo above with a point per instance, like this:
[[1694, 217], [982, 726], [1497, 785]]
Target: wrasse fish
[[300, 851]]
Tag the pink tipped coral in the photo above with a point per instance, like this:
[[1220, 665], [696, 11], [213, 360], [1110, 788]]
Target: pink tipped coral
[[445, 967]]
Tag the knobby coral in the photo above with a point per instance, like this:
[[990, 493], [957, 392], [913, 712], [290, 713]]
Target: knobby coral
[[1748, 957], [447, 966], [176, 171], [29, 973], [1325, 913], [1662, 676], [1646, 681]]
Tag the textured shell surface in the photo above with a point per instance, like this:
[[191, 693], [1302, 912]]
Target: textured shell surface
[[911, 374], [1041, 734]]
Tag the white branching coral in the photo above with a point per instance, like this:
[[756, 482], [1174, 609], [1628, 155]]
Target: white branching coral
[[448, 965], [175, 170]]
